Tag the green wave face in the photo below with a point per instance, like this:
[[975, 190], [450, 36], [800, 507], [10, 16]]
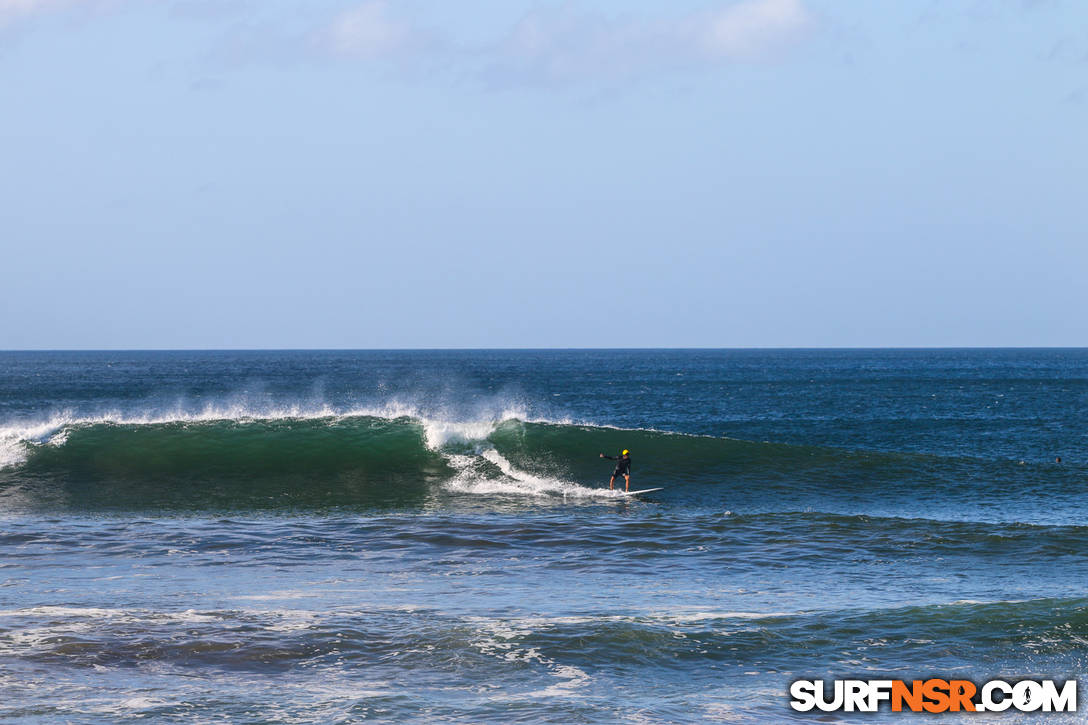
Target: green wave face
[[251, 448], [315, 463], [659, 458], [368, 461], [301, 463]]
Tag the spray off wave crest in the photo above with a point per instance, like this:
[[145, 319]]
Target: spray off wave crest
[[239, 455], [17, 439]]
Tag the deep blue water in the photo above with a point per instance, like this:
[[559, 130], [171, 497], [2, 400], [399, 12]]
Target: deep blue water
[[426, 536]]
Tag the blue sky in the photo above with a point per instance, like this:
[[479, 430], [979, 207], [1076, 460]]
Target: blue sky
[[427, 173]]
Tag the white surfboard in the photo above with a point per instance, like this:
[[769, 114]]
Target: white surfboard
[[636, 493]]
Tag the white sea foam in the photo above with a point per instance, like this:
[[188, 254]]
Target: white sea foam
[[440, 432], [499, 638], [36, 628], [69, 615], [703, 616], [48, 611], [513, 481], [15, 439], [570, 679], [278, 595], [522, 626]]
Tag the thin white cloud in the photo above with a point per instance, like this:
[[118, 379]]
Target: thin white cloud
[[14, 11], [561, 43], [370, 30], [211, 10], [11, 10], [755, 29], [558, 43]]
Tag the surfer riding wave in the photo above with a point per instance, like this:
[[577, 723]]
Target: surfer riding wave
[[623, 468]]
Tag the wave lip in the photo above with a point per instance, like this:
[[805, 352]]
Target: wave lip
[[18, 438], [231, 456]]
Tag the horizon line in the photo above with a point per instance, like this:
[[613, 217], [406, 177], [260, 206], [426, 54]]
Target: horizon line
[[546, 349]]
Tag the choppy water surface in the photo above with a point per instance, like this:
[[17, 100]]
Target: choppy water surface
[[425, 536]]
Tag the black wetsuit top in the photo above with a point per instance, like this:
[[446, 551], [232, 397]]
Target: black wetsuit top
[[623, 465]]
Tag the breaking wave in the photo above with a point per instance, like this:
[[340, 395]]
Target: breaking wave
[[395, 456]]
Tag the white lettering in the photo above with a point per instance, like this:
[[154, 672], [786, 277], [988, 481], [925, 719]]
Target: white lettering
[[803, 693], [1063, 701], [992, 705]]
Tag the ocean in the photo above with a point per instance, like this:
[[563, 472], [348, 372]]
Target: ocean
[[427, 536]]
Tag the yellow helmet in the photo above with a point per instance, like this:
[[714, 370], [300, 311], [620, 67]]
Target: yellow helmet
[[625, 451]]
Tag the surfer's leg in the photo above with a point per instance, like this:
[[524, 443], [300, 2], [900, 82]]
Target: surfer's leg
[[611, 481], [627, 478]]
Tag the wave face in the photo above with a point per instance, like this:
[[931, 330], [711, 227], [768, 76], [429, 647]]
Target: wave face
[[322, 460], [231, 463]]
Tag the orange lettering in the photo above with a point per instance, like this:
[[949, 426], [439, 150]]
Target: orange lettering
[[936, 691], [961, 692], [911, 695]]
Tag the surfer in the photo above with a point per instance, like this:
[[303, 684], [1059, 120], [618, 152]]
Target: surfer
[[623, 468]]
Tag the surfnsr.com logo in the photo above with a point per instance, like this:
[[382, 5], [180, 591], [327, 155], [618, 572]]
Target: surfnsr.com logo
[[933, 695]]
